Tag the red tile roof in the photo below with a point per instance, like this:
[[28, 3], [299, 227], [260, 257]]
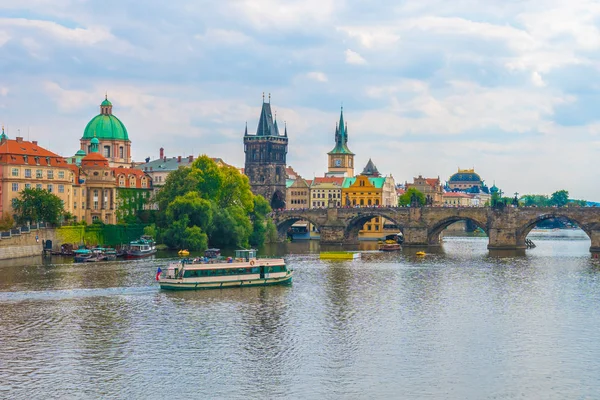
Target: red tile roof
[[329, 179], [128, 172], [94, 160], [22, 152]]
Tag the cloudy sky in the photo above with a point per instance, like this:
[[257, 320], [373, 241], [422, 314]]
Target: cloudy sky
[[428, 86]]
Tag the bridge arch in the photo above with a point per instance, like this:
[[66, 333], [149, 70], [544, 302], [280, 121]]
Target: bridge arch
[[355, 224], [285, 222], [525, 228], [433, 233]]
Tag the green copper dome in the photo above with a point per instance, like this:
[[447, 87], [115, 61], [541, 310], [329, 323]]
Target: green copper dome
[[106, 126]]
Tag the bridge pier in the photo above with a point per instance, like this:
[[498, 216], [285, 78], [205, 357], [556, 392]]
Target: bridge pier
[[595, 238], [332, 234], [415, 236], [505, 239]]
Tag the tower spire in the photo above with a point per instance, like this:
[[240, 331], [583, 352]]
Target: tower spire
[[246, 132]]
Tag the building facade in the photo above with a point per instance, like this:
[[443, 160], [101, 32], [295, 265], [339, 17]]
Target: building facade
[[326, 192], [341, 159], [298, 194], [430, 187], [114, 143], [265, 163], [26, 165], [459, 199]]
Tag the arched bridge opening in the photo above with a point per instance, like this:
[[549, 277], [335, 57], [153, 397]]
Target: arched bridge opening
[[284, 225], [551, 225], [434, 234], [374, 225]]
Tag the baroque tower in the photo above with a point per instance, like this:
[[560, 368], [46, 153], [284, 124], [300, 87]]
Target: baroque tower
[[265, 158], [341, 159]]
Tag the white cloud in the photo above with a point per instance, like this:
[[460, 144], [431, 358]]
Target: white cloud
[[537, 80], [372, 36], [353, 57], [317, 76]]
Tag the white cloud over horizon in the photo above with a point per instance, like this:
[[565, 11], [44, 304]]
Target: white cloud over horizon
[[427, 87]]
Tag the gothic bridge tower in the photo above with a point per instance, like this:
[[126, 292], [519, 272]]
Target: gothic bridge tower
[[265, 158]]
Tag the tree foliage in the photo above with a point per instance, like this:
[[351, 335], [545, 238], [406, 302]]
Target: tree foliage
[[206, 204], [406, 198], [560, 198], [6, 222], [35, 205]]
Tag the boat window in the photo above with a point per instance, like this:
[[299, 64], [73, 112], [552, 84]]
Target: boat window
[[255, 270]]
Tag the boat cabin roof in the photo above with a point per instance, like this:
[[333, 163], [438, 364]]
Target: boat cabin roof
[[242, 264]]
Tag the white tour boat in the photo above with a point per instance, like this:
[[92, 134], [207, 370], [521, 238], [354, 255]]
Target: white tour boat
[[243, 270]]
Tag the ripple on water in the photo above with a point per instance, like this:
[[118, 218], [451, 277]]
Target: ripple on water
[[459, 323]]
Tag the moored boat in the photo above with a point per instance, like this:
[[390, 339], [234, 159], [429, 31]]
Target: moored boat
[[243, 270], [389, 247], [143, 247], [183, 253]]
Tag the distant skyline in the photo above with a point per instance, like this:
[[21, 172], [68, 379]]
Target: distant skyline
[[510, 88]]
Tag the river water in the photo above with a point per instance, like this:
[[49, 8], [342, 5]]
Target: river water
[[460, 323]]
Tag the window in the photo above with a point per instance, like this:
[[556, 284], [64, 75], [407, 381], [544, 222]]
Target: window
[[50, 174], [121, 152], [39, 173], [28, 186], [74, 191], [75, 205], [106, 151], [38, 186], [27, 173], [61, 174], [95, 218], [144, 183], [15, 172], [15, 187], [50, 188], [83, 204], [61, 188]]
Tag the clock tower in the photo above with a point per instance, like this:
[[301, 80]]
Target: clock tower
[[341, 159]]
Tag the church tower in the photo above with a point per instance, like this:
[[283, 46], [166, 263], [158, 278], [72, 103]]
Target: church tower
[[265, 158], [341, 159]]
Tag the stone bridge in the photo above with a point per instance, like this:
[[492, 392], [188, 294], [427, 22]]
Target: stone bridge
[[421, 226]]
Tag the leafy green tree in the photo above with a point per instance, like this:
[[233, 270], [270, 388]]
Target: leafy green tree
[[205, 204], [6, 222], [537, 200], [150, 230], [405, 199], [559, 198], [259, 221], [198, 210], [35, 205]]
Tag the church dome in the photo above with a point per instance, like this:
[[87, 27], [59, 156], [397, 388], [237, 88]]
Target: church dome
[[106, 126], [466, 175]]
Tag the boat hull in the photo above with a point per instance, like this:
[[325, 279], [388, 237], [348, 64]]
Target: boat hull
[[182, 284], [131, 256]]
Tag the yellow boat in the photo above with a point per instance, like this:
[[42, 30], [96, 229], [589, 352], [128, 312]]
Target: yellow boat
[[183, 253], [420, 253], [339, 255]]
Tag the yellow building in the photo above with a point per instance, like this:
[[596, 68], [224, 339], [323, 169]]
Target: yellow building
[[458, 199], [24, 165], [365, 191], [326, 192]]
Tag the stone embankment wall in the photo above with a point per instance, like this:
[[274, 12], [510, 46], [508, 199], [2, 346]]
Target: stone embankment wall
[[25, 245]]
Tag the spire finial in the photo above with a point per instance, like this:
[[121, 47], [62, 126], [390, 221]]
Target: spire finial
[[106, 95], [263, 97], [275, 111], [269, 98]]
